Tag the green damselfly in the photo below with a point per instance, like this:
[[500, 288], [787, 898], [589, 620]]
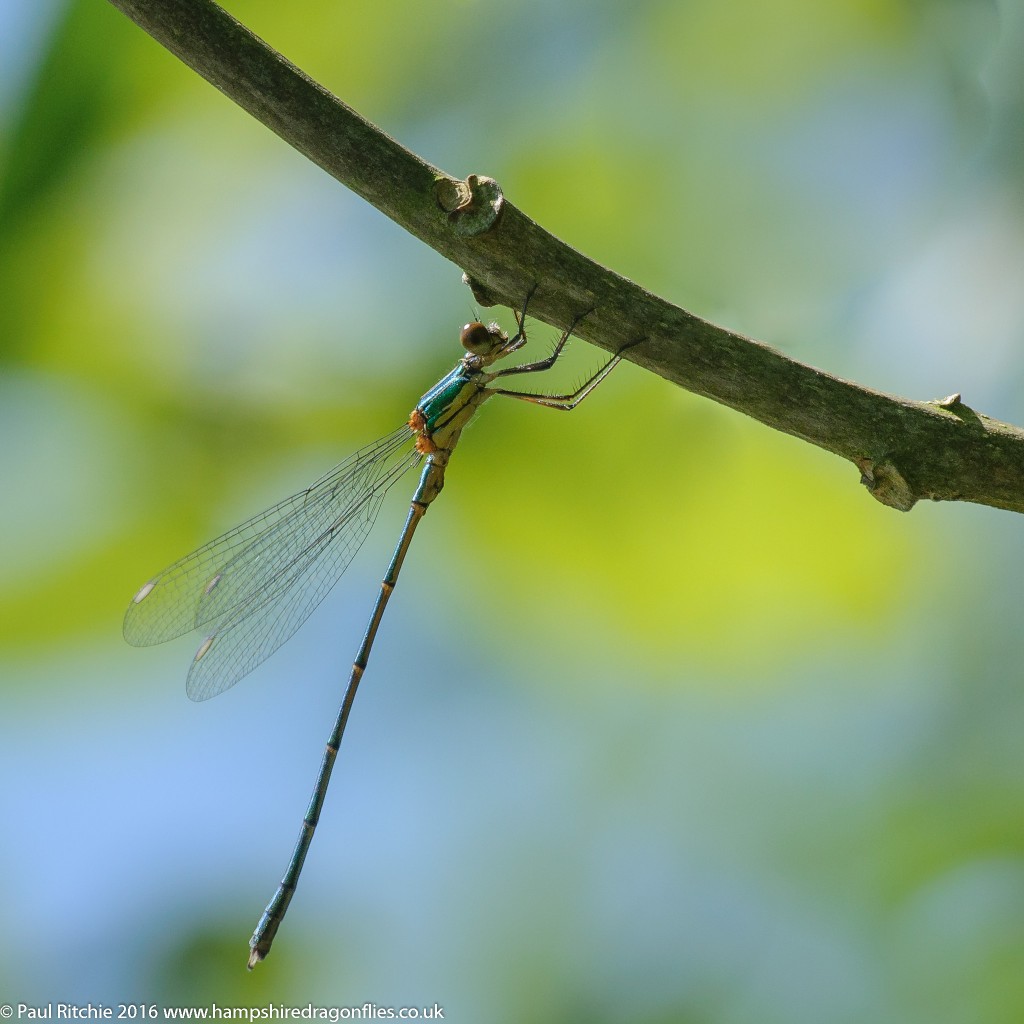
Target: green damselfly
[[252, 588]]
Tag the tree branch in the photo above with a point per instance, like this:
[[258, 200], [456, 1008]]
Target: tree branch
[[905, 450]]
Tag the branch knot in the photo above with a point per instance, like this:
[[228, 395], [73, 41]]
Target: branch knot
[[473, 206], [886, 483]]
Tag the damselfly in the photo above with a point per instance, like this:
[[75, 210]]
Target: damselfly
[[252, 588]]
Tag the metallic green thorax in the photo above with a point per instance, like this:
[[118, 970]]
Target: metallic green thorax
[[446, 399], [443, 412]]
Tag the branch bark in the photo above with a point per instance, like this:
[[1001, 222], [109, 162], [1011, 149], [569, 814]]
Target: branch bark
[[905, 450]]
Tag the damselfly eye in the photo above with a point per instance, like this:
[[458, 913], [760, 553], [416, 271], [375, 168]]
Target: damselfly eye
[[476, 338]]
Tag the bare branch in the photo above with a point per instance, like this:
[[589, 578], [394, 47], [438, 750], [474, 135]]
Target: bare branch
[[905, 450]]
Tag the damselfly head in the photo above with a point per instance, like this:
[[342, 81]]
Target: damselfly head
[[483, 339]]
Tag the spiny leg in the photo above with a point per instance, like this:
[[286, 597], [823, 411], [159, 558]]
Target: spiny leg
[[541, 364], [519, 338], [569, 401]]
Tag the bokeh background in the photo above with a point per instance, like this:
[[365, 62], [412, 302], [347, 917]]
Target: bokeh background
[[669, 720]]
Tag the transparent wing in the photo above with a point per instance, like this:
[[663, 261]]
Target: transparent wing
[[251, 634], [253, 587]]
